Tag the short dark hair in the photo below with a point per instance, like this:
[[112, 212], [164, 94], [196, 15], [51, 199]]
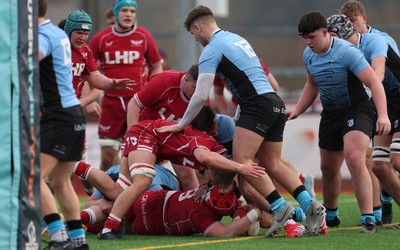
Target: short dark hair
[[205, 120], [193, 72], [310, 22], [197, 13], [42, 8], [61, 24]]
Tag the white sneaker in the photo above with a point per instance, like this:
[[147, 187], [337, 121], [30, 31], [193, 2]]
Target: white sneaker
[[280, 218], [314, 217]]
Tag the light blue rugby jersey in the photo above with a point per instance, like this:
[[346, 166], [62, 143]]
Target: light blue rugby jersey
[[163, 177], [55, 67], [233, 58], [226, 128], [335, 75], [374, 45], [387, 38]]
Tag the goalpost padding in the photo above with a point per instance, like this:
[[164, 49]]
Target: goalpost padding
[[19, 130]]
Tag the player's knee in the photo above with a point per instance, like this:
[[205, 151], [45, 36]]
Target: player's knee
[[381, 158], [328, 171], [395, 153]]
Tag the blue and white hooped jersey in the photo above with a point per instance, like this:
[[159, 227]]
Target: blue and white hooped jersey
[[335, 75], [374, 45], [233, 58], [55, 67]]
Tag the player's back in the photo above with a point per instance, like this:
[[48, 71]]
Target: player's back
[[162, 97], [55, 67], [238, 63], [387, 37], [184, 216], [374, 45], [178, 147]]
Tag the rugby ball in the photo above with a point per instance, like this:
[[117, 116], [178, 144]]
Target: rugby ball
[[254, 228]]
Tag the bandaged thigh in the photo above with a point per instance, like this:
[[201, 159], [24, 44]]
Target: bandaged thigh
[[142, 168]]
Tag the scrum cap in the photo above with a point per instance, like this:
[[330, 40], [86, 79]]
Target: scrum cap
[[122, 3], [221, 203], [77, 20], [341, 25]]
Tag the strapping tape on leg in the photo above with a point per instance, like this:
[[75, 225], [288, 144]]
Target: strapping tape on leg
[[123, 181], [381, 154], [142, 168], [395, 146]]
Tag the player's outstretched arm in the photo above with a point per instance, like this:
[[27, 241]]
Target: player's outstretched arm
[[215, 160], [236, 227]]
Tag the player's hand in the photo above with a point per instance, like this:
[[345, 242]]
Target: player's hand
[[383, 126], [123, 83], [105, 206], [200, 193], [93, 109], [249, 207], [291, 115], [170, 128], [251, 169]]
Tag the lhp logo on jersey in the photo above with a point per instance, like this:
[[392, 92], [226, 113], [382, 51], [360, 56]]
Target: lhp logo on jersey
[[121, 57], [136, 42], [77, 68]]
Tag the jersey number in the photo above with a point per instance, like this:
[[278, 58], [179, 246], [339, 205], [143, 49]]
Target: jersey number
[[187, 195], [67, 50], [245, 46], [187, 163]]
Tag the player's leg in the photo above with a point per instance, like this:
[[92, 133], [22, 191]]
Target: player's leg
[[306, 179], [245, 146], [109, 154], [383, 168], [112, 127], [331, 161], [395, 151], [98, 179], [86, 185], [269, 155], [186, 176], [141, 166], [354, 150], [376, 188], [56, 227], [60, 183]]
